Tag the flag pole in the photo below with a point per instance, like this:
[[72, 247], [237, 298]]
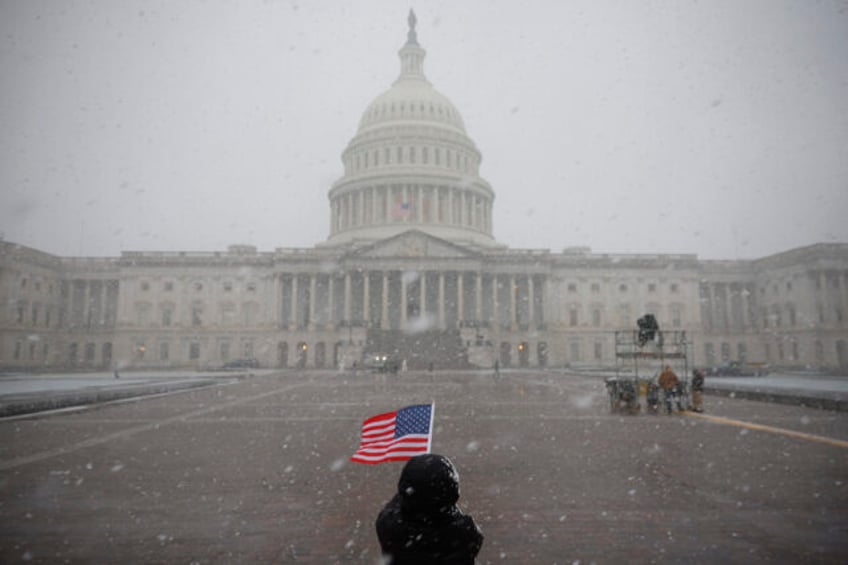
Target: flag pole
[[430, 433]]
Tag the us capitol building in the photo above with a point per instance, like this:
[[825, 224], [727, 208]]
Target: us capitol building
[[411, 268]]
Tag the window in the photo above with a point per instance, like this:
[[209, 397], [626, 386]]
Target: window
[[596, 317], [596, 288], [145, 286], [228, 314], [652, 287], [167, 317], [676, 315], [168, 286], [197, 315], [194, 351], [624, 315], [198, 286], [674, 288], [142, 313], [228, 286], [572, 316], [599, 351], [575, 350], [622, 287], [572, 287], [709, 353], [251, 287], [163, 351]]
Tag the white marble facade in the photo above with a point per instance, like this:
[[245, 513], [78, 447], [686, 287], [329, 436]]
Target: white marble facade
[[411, 263]]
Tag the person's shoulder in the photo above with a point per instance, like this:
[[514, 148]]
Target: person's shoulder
[[469, 529]]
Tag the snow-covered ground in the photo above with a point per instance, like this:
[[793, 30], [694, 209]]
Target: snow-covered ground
[[21, 383], [814, 384]]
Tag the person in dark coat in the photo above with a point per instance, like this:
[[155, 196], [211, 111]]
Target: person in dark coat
[[422, 523], [698, 390]]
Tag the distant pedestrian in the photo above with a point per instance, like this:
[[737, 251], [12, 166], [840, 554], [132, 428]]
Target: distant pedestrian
[[698, 390], [652, 398], [422, 523], [670, 385], [117, 376]]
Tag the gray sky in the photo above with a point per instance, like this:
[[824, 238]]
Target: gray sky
[[718, 127]]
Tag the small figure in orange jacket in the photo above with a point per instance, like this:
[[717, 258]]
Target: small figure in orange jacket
[[670, 384]]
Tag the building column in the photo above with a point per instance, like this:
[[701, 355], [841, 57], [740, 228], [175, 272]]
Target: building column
[[531, 303], [496, 314], [86, 311], [293, 309], [478, 297], [311, 310], [441, 300], [347, 297], [460, 308], [513, 314], [422, 286], [711, 306], [366, 298], [384, 315], [402, 302], [462, 204], [437, 206], [331, 291]]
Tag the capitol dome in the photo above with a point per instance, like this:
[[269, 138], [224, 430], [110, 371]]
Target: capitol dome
[[411, 165]]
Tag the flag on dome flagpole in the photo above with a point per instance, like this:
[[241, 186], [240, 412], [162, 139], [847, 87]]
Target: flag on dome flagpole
[[396, 436], [401, 210]]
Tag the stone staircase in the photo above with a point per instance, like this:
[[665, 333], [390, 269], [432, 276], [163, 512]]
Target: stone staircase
[[439, 349]]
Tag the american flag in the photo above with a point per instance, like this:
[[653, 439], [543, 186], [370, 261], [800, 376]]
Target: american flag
[[396, 436], [401, 210]]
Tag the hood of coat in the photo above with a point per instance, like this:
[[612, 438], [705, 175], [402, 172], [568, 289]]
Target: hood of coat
[[428, 484]]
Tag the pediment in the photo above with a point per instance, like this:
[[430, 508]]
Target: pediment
[[416, 244]]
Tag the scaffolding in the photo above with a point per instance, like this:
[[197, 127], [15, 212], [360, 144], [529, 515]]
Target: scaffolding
[[667, 348], [638, 361]]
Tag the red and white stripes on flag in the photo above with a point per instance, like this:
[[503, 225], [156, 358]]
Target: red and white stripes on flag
[[396, 436], [402, 210]]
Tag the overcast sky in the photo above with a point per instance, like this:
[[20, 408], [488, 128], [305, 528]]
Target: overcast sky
[[716, 127]]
